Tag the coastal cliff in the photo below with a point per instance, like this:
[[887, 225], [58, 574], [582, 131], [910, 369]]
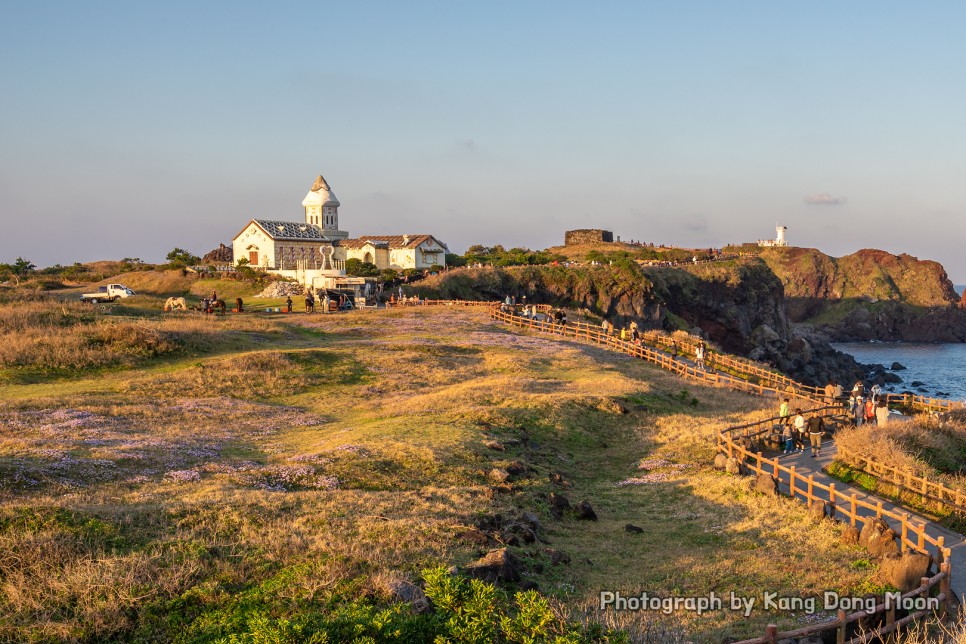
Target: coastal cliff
[[738, 305], [869, 295]]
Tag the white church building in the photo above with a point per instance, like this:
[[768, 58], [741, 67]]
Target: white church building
[[314, 251]]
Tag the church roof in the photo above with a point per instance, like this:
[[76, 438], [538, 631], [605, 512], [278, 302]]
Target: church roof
[[291, 230], [394, 241], [320, 194]]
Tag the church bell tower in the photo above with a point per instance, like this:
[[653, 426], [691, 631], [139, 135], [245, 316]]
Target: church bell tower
[[322, 209]]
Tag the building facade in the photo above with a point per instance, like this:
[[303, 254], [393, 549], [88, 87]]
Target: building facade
[[316, 249]]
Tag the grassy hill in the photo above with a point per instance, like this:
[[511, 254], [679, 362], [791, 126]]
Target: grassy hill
[[278, 477]]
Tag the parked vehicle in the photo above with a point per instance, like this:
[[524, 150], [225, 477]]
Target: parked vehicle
[[107, 293]]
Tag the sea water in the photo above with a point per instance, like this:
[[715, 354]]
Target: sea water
[[940, 367]]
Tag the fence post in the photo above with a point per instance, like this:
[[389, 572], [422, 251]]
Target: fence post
[[940, 554], [945, 587], [855, 511], [771, 633], [831, 499], [922, 537], [811, 483], [905, 530], [840, 631], [758, 462], [791, 481]]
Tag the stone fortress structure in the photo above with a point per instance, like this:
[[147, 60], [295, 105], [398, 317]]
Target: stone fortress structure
[[587, 236], [314, 251]]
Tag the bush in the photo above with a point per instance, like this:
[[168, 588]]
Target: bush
[[357, 268]]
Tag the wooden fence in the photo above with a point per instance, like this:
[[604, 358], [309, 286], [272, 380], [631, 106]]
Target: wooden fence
[[838, 505], [931, 493]]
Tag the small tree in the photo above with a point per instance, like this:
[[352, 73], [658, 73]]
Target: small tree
[[179, 258], [22, 266], [390, 275], [454, 260], [355, 267]]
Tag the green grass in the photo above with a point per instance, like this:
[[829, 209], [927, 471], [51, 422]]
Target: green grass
[[270, 486]]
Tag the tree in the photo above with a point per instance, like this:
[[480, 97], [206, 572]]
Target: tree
[[454, 260], [179, 258], [355, 267], [22, 266], [389, 275]]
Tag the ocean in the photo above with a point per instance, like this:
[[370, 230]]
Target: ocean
[[940, 367]]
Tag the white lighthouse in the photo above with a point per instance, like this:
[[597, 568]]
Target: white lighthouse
[[779, 239]]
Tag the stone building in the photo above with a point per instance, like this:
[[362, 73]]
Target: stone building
[[587, 236], [314, 251]]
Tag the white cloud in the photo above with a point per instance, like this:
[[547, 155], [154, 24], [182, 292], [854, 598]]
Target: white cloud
[[824, 199]]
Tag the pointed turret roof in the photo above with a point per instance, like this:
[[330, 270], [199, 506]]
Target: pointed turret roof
[[320, 194]]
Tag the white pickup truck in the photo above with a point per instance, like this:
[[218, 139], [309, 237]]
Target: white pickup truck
[[107, 293]]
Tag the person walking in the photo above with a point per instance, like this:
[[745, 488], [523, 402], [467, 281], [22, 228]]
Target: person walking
[[858, 411], [815, 427], [799, 424], [788, 439], [699, 356], [784, 413], [288, 304], [869, 411]]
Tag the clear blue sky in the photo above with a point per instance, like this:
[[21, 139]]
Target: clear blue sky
[[129, 128]]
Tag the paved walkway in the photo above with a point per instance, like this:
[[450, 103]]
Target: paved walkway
[[805, 465]]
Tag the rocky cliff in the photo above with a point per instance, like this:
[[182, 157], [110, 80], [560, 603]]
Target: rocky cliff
[[869, 295]]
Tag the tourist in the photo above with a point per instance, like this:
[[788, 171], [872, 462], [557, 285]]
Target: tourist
[[858, 390], [837, 392], [881, 413], [309, 302], [858, 410], [326, 303], [623, 334], [238, 305], [604, 325], [789, 440], [876, 392], [850, 409], [830, 393], [784, 413], [816, 427], [799, 424], [699, 355], [869, 411], [288, 305]]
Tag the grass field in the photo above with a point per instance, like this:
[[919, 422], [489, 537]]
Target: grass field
[[281, 474]]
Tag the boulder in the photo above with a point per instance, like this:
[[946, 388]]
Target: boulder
[[558, 504], [557, 556], [630, 527], [516, 468], [558, 479], [766, 484], [495, 445], [473, 535], [499, 475], [585, 512], [870, 528], [897, 367], [905, 571], [497, 565], [400, 590], [850, 535], [816, 510], [720, 461], [883, 544], [733, 466]]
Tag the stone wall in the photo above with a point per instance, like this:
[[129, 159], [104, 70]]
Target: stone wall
[[587, 236]]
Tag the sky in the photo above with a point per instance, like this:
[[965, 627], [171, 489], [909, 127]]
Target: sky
[[128, 129]]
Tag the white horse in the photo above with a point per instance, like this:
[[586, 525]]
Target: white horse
[[175, 303]]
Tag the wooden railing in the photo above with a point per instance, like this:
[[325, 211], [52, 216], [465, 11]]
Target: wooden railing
[[849, 506], [931, 493]]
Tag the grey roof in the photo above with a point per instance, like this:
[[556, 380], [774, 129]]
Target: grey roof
[[291, 229]]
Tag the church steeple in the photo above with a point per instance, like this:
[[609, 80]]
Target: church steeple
[[322, 208]]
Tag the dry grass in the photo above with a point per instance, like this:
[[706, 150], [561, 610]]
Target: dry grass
[[923, 445], [288, 479]]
